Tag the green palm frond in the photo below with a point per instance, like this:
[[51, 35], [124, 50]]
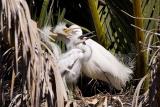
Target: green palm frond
[[116, 28], [43, 13], [100, 30], [150, 9]]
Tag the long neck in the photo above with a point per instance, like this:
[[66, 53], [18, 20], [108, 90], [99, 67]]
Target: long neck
[[84, 47], [87, 51], [69, 45]]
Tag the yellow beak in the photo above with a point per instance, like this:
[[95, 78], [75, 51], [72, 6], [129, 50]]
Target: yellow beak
[[52, 34], [67, 31]]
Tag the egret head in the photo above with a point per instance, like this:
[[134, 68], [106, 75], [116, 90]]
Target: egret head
[[74, 30], [68, 32], [70, 35], [60, 29]]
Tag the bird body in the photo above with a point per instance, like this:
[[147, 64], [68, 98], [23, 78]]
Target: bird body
[[97, 62], [70, 65], [102, 65]]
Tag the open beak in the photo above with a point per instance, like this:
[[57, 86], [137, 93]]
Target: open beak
[[67, 31], [64, 34], [53, 34], [87, 35]]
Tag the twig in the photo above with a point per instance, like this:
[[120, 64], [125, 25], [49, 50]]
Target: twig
[[127, 104], [145, 30], [140, 17], [118, 99], [90, 81]]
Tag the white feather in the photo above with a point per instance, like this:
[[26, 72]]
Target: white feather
[[102, 65], [60, 28], [71, 58], [44, 34], [97, 62]]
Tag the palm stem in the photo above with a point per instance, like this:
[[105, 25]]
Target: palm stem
[[141, 67]]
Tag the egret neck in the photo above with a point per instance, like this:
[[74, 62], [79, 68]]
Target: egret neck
[[86, 50]]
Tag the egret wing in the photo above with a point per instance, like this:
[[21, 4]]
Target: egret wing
[[104, 66]]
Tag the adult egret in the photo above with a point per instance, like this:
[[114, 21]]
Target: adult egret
[[97, 63]]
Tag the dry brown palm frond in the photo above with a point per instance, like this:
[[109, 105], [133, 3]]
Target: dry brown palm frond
[[136, 95], [37, 70], [151, 96]]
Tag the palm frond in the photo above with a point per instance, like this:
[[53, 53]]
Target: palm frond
[[35, 68], [150, 9], [100, 30], [114, 25]]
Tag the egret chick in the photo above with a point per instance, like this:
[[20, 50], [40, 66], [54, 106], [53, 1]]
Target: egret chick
[[69, 62], [70, 65]]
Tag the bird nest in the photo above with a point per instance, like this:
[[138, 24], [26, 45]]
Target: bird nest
[[102, 100]]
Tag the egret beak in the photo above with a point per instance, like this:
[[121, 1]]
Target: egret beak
[[87, 35], [67, 31], [53, 34]]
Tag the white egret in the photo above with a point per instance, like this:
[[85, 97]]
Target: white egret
[[97, 63], [69, 62]]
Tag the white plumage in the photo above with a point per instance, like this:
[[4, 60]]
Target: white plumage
[[69, 62], [70, 65], [97, 62], [102, 65]]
